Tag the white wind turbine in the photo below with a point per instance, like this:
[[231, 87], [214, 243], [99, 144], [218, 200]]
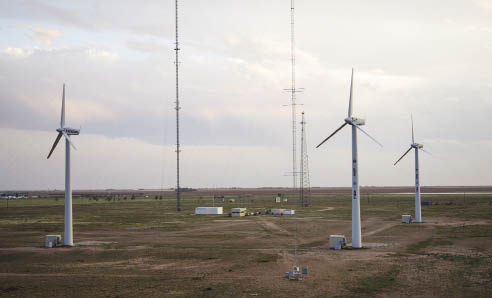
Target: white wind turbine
[[66, 132], [355, 123], [416, 146]]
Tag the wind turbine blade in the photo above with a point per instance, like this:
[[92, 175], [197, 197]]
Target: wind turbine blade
[[54, 144], [62, 121], [402, 156], [426, 152], [332, 134], [358, 127], [413, 140], [69, 140], [350, 99]]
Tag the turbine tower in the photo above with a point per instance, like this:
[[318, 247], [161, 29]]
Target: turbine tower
[[176, 62], [66, 132], [416, 146], [356, 124]]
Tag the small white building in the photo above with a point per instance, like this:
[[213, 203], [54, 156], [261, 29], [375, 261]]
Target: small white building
[[238, 212], [289, 212], [337, 241], [208, 210], [406, 218], [277, 200]]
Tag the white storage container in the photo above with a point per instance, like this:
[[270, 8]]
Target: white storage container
[[208, 210]]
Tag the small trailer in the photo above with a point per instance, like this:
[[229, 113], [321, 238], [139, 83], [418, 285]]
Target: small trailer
[[277, 211], [238, 212]]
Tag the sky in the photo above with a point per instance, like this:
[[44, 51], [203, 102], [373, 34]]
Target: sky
[[430, 59]]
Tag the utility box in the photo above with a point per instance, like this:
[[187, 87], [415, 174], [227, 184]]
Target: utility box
[[52, 240], [289, 212], [337, 242], [278, 211], [208, 210], [238, 212], [406, 219]]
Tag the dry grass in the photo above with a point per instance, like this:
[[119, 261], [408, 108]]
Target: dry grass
[[146, 249]]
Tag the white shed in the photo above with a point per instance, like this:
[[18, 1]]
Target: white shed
[[208, 210]]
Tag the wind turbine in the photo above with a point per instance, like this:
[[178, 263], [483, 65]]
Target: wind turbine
[[416, 146], [66, 132], [356, 123]]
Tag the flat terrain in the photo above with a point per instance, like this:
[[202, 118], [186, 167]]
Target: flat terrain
[[143, 248]]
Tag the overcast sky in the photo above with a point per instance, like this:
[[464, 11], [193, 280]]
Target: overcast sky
[[428, 58]]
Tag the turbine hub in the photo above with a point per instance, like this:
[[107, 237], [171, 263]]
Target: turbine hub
[[356, 121]]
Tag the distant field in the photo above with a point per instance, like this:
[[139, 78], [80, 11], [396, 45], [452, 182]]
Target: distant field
[[143, 248], [254, 191]]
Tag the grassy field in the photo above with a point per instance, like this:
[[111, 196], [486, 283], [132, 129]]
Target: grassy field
[[143, 248]]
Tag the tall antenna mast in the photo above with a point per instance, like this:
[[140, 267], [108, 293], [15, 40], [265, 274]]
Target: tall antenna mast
[[293, 95], [176, 62], [304, 184]]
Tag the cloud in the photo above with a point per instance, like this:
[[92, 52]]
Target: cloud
[[102, 54], [487, 4], [117, 62], [18, 52], [45, 36]]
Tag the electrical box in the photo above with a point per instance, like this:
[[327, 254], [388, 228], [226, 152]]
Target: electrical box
[[406, 218], [337, 242], [52, 240]]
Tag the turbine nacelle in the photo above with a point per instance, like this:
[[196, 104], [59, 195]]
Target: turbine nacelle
[[69, 131], [417, 145], [355, 121]]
